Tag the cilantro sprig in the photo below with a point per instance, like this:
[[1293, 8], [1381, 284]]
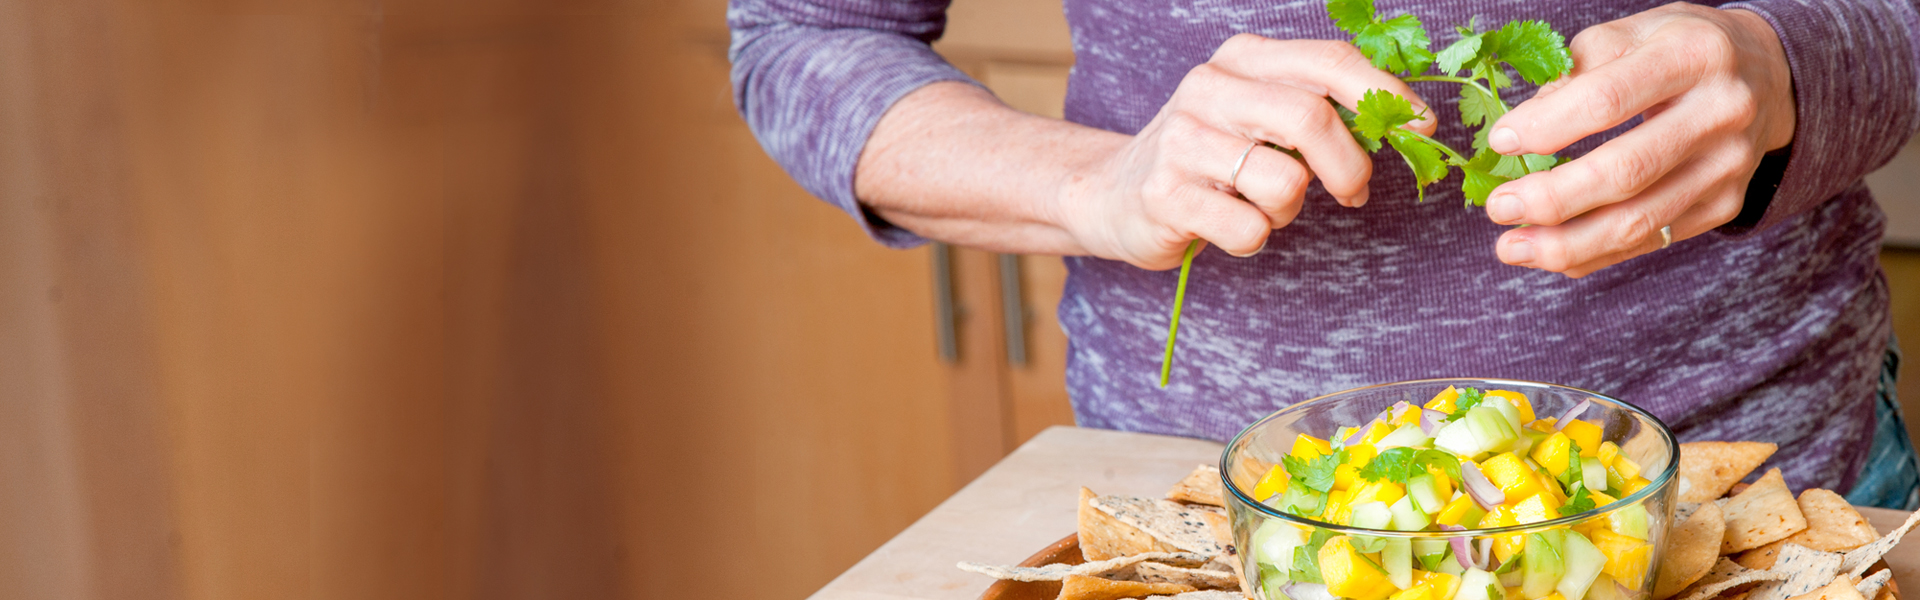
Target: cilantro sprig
[[1577, 503], [1468, 400], [1316, 473], [1401, 45], [1399, 464]]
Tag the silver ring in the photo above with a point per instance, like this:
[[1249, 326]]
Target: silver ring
[[1666, 237], [1235, 177]]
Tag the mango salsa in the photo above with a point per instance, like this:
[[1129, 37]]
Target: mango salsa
[[1349, 574]]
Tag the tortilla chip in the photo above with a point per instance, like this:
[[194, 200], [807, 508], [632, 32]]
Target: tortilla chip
[[1081, 587], [1840, 589], [1832, 524], [1763, 514], [1692, 549], [1123, 567], [1202, 486], [1103, 537], [1872, 585], [1807, 570], [1198, 578], [1726, 575], [1858, 560], [1762, 557], [1181, 526], [1708, 469], [1890, 592]]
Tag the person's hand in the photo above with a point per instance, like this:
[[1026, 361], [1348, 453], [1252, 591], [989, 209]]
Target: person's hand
[[1717, 95], [1143, 201]]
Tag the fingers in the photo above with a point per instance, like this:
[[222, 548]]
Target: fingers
[[1325, 68], [1285, 116], [1619, 169], [1194, 210], [1702, 189], [1598, 99], [1275, 183]]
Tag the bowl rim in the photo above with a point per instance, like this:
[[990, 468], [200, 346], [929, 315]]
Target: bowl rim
[[1655, 486]]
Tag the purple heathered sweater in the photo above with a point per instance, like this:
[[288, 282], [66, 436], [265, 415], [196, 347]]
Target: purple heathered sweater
[[1772, 332]]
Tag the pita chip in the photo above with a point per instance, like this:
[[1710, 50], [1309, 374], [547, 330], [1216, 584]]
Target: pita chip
[[1832, 523], [1202, 486], [1182, 526], [1081, 587], [1762, 557], [1840, 589], [1103, 537], [1709, 469], [1762, 514], [1692, 549]]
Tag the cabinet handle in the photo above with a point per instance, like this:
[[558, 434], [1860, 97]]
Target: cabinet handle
[[944, 326], [1013, 309]]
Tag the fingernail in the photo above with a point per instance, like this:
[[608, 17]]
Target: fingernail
[[1263, 246], [1517, 252], [1505, 208], [1360, 199], [1504, 140]]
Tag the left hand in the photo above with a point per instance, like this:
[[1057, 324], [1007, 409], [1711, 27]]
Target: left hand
[[1717, 95]]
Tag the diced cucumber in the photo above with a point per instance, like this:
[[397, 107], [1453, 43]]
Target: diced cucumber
[[1476, 584], [1615, 481], [1458, 438], [1506, 408], [1271, 584], [1273, 542], [1425, 495], [1524, 444], [1407, 436], [1583, 564], [1605, 588], [1630, 521], [1491, 428], [1512, 578], [1397, 559], [1406, 517], [1371, 515], [1593, 474], [1430, 552], [1449, 565], [1542, 563]]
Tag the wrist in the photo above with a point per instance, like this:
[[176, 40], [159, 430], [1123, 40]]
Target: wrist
[[1774, 86]]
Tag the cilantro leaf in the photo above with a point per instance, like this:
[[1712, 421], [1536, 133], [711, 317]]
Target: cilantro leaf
[[1510, 167], [1370, 144], [1469, 397], [1572, 475], [1431, 562], [1476, 107], [1400, 464], [1351, 16], [1316, 473], [1367, 544], [1578, 503], [1534, 50], [1540, 162], [1301, 500], [1382, 111], [1479, 179], [1495, 75], [1427, 162], [1306, 565], [1459, 54], [1398, 44]]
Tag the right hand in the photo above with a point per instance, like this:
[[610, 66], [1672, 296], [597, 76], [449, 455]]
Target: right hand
[[1167, 185]]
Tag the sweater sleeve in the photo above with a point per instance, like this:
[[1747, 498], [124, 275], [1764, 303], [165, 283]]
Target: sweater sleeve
[[813, 77], [1856, 84]]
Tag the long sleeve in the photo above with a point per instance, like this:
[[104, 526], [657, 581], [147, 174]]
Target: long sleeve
[[813, 77], [1856, 79]]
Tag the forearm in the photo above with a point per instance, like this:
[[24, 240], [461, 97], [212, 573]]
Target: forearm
[[950, 162]]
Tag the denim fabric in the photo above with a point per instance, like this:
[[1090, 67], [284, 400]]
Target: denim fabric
[[1890, 477]]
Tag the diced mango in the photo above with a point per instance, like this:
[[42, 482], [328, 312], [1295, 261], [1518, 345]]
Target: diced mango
[[1519, 401], [1344, 476], [1542, 425], [1409, 417], [1584, 433], [1461, 511], [1442, 484], [1429, 585], [1536, 508], [1306, 447], [1634, 485], [1443, 401], [1626, 467], [1608, 452], [1554, 596], [1552, 453], [1273, 483], [1505, 547], [1601, 499], [1336, 512], [1626, 557], [1376, 431], [1511, 475], [1348, 574], [1360, 454], [1551, 486], [1382, 491]]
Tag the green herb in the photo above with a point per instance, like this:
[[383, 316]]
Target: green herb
[[1367, 544], [1573, 473], [1316, 473], [1302, 500], [1400, 45], [1399, 464], [1469, 399], [1577, 503], [1431, 562], [1495, 593], [1306, 558]]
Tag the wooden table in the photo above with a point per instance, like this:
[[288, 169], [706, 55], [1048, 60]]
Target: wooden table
[[1027, 501]]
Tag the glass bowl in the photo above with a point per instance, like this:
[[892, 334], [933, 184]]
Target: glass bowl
[[1511, 552]]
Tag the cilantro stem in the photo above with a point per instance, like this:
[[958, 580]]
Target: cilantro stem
[[1179, 299], [1463, 81], [1457, 158]]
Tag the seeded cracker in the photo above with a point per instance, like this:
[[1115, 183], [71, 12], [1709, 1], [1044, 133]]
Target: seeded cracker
[[1198, 578], [1206, 595], [1103, 537], [1726, 575], [1832, 524], [1766, 512], [1202, 486], [1807, 570], [1080, 587], [1691, 551], [1840, 589], [1183, 527], [1860, 559], [1709, 469], [1103, 568], [1871, 586]]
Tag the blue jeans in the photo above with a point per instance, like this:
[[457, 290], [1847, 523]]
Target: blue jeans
[[1890, 478]]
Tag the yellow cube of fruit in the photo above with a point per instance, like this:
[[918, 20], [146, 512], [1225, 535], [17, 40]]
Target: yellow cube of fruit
[[1348, 574], [1552, 453], [1274, 482], [1554, 596], [1429, 585], [1306, 447], [1608, 452], [1383, 491], [1542, 425], [1536, 508], [1626, 557], [1345, 476], [1442, 485], [1511, 475], [1443, 401], [1584, 433], [1633, 485], [1336, 511], [1519, 401], [1360, 454], [1409, 417], [1460, 511], [1601, 499], [1551, 487], [1626, 467], [1505, 547]]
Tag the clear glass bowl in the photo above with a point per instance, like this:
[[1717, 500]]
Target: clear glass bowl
[[1266, 535]]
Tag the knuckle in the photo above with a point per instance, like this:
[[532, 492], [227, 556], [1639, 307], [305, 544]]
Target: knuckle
[[1724, 208], [1629, 171], [1632, 227], [1550, 254], [1239, 43], [1606, 102], [1339, 56]]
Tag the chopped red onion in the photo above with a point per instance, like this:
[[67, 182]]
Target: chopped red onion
[[1572, 413], [1400, 409], [1484, 492], [1431, 421], [1462, 552], [1486, 554], [1359, 433]]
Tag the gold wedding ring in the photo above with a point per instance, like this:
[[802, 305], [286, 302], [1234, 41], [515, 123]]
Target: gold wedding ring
[[1666, 237]]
